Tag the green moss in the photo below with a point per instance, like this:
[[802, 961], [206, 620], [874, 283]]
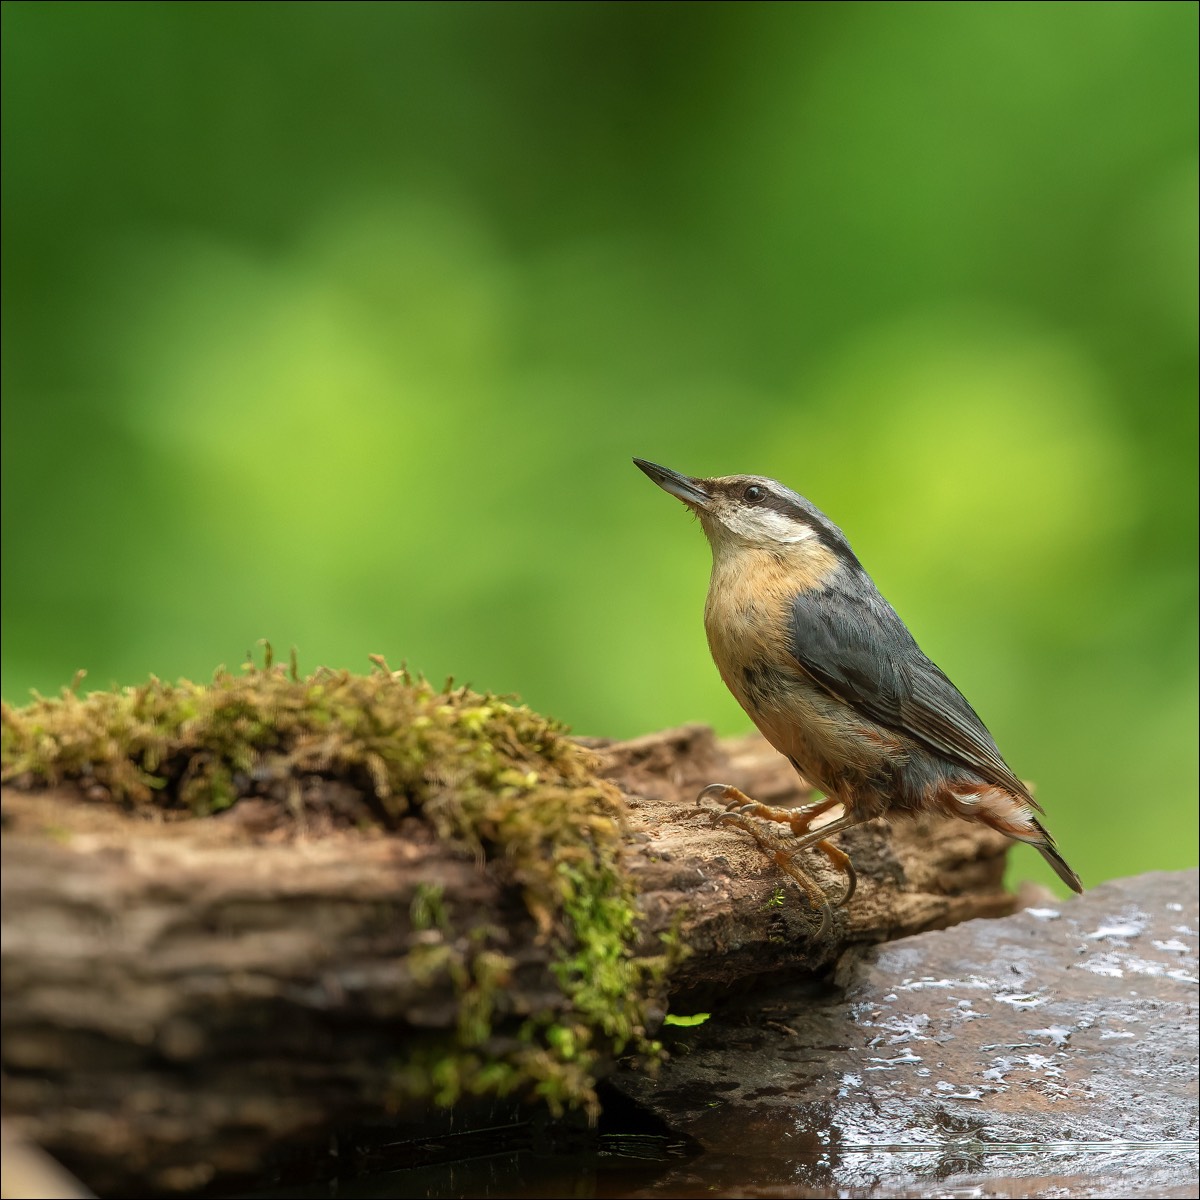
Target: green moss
[[492, 777], [428, 907]]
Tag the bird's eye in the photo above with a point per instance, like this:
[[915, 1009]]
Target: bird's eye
[[754, 494]]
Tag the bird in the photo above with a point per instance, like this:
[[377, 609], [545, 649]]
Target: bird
[[833, 679]]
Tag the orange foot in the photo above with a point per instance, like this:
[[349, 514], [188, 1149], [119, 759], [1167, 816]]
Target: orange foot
[[745, 813]]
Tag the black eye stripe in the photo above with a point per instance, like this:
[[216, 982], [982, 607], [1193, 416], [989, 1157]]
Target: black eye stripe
[[785, 502], [789, 508]]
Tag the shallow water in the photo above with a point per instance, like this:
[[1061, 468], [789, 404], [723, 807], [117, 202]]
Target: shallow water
[[1048, 1054], [521, 1160]]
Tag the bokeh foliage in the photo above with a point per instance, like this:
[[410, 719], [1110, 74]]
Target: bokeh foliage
[[338, 324]]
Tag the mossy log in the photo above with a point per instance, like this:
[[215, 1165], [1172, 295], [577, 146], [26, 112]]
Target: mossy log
[[184, 1000]]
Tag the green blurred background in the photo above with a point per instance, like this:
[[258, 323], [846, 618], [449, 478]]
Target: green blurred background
[[337, 324]]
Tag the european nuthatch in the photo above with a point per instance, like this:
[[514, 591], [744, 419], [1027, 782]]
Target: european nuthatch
[[835, 682]]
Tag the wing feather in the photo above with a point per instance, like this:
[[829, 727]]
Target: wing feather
[[851, 641]]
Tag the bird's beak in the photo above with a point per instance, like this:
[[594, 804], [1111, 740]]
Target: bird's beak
[[691, 491]]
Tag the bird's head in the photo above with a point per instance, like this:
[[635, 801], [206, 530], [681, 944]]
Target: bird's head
[[751, 512]]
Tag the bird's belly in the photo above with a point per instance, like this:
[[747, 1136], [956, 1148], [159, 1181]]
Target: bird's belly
[[832, 745], [828, 741], [835, 747]]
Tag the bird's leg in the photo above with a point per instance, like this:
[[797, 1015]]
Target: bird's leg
[[838, 858], [741, 811], [782, 852], [817, 840], [785, 860], [797, 819], [841, 862]]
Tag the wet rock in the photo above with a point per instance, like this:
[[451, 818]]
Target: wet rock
[[1052, 1052]]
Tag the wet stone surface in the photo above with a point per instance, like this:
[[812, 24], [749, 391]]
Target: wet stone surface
[[1051, 1053]]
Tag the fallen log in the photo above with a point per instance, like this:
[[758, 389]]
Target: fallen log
[[739, 917], [185, 999]]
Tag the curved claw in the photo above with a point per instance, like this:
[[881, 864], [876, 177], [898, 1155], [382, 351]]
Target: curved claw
[[713, 788], [851, 884], [818, 901], [840, 861]]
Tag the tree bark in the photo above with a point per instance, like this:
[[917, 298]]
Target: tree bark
[[182, 999]]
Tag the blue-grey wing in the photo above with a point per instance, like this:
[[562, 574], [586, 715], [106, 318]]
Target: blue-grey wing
[[855, 646]]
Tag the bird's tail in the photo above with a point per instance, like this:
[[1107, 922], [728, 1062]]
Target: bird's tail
[[1049, 852], [1012, 815], [1025, 827]]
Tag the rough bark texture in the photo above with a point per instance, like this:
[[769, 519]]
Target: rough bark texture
[[742, 918], [183, 998]]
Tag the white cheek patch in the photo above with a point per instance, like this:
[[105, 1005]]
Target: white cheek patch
[[767, 525]]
